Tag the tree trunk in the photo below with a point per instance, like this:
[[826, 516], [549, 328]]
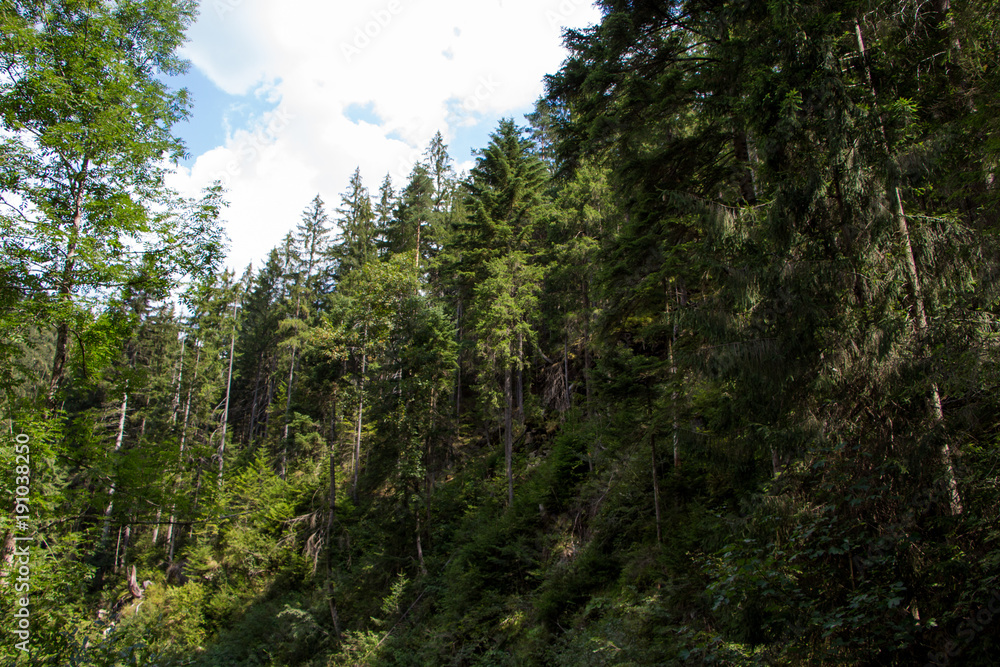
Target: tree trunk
[[420, 550], [111, 492], [656, 485], [361, 405], [254, 407], [416, 253], [288, 409], [125, 543], [171, 528], [229, 386], [333, 606], [569, 398], [332, 515], [673, 402], [520, 378], [508, 442], [913, 277], [176, 405], [428, 482], [197, 487], [66, 285], [156, 525]]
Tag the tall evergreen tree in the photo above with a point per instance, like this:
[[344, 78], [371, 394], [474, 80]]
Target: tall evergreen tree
[[358, 226], [504, 203], [413, 213], [310, 242], [384, 213]]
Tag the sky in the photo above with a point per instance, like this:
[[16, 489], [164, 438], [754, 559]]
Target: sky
[[289, 98]]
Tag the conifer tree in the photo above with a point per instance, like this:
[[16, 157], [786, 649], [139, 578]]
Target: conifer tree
[[310, 242], [358, 226], [504, 201], [384, 214], [407, 233]]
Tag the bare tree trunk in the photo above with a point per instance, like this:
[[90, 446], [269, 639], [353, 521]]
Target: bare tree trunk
[[176, 405], [156, 526], [118, 445], [331, 517], [913, 277], [420, 550], [333, 606], [269, 394], [125, 542], [118, 546], [520, 378], [656, 484], [288, 392], [333, 466], [187, 403], [229, 386], [174, 409], [673, 402], [673, 379], [416, 253], [172, 528], [288, 409], [254, 407], [361, 405], [508, 442], [569, 398], [428, 483], [197, 489]]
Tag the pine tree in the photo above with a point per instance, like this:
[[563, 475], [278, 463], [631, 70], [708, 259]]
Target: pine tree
[[413, 214], [310, 248], [257, 350], [358, 226], [504, 201], [385, 209]]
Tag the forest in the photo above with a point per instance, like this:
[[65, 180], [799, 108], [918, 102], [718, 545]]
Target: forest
[[699, 365]]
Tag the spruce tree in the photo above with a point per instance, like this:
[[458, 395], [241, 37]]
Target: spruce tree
[[504, 202], [358, 227]]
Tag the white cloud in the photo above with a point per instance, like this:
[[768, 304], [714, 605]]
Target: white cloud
[[425, 65]]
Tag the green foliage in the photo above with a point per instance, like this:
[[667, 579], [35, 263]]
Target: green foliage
[[731, 311]]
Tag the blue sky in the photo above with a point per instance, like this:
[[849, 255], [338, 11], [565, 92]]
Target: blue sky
[[290, 97]]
